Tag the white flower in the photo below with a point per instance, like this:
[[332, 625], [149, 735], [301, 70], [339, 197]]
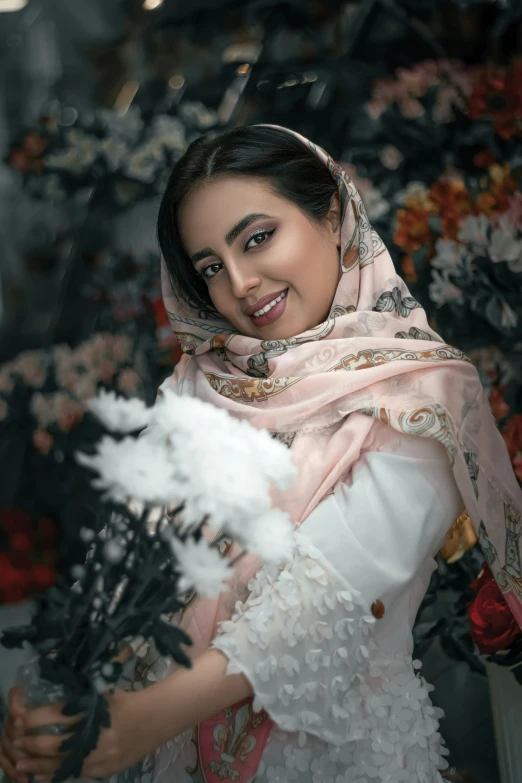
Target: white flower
[[442, 290], [505, 247], [114, 151], [474, 230], [119, 414], [134, 468], [81, 152], [126, 126], [201, 566], [142, 166], [448, 254], [270, 536], [170, 132]]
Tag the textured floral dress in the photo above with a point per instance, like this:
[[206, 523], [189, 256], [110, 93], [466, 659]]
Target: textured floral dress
[[326, 642]]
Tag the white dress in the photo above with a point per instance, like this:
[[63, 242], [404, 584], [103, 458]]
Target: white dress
[[339, 684]]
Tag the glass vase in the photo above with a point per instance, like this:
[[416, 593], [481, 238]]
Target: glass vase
[[37, 692]]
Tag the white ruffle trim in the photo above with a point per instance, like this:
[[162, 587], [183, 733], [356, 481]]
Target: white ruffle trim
[[304, 639]]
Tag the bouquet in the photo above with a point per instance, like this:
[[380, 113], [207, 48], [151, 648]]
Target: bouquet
[[194, 476]]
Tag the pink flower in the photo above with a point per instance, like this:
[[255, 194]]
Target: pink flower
[[31, 367], [6, 382], [390, 157], [43, 441], [128, 381], [68, 413], [42, 407], [411, 108], [121, 348], [106, 371]]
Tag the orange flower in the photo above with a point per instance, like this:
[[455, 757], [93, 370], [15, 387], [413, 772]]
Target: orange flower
[[453, 202], [408, 268], [497, 402], [498, 96], [413, 229], [512, 434]]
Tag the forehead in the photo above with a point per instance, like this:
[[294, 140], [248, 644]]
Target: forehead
[[214, 207]]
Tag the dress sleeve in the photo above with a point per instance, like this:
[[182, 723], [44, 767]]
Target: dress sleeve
[[306, 636]]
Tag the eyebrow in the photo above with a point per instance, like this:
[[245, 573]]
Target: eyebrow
[[231, 236]]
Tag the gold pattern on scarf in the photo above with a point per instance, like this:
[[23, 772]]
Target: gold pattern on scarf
[[459, 539], [375, 357], [431, 421], [249, 389]]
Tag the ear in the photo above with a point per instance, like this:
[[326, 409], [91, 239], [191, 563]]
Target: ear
[[333, 219]]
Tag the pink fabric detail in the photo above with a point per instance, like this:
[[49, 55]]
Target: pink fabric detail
[[231, 743]]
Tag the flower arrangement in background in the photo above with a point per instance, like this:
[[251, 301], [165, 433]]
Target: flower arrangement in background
[[53, 386], [465, 247], [169, 508], [128, 290], [130, 156], [435, 114], [434, 87], [27, 555]]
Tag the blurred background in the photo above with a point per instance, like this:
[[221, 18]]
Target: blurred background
[[419, 100]]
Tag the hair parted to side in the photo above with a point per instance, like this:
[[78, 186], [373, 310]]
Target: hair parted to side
[[291, 170]]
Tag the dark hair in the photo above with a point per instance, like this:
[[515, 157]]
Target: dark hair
[[291, 169]]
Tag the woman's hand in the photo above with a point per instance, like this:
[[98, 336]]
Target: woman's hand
[[119, 747], [13, 730]]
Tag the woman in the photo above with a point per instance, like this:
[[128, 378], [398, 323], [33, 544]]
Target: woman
[[291, 316]]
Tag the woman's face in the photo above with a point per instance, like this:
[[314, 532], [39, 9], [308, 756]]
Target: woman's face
[[270, 271]]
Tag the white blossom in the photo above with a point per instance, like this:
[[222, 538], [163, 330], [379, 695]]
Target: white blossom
[[442, 290], [474, 230], [505, 247], [115, 152], [270, 536], [170, 132], [133, 468], [201, 566], [448, 254], [119, 414]]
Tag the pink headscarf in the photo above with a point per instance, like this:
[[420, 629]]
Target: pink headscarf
[[329, 391]]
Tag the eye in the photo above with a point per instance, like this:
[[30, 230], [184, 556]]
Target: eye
[[259, 238], [211, 270]]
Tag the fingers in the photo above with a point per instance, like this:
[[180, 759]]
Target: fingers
[[15, 702], [47, 745], [48, 716], [38, 766], [10, 770]]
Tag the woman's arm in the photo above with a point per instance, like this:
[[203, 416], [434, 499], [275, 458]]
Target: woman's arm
[[141, 721], [188, 696]]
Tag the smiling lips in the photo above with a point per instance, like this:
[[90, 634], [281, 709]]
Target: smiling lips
[[265, 303], [268, 309]]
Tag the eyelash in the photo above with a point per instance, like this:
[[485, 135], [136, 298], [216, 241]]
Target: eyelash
[[261, 232]]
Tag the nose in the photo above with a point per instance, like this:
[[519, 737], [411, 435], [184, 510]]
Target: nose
[[243, 281]]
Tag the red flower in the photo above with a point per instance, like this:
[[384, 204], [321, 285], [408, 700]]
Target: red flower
[[484, 159], [493, 627], [15, 520], [43, 576], [46, 530], [14, 582]]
